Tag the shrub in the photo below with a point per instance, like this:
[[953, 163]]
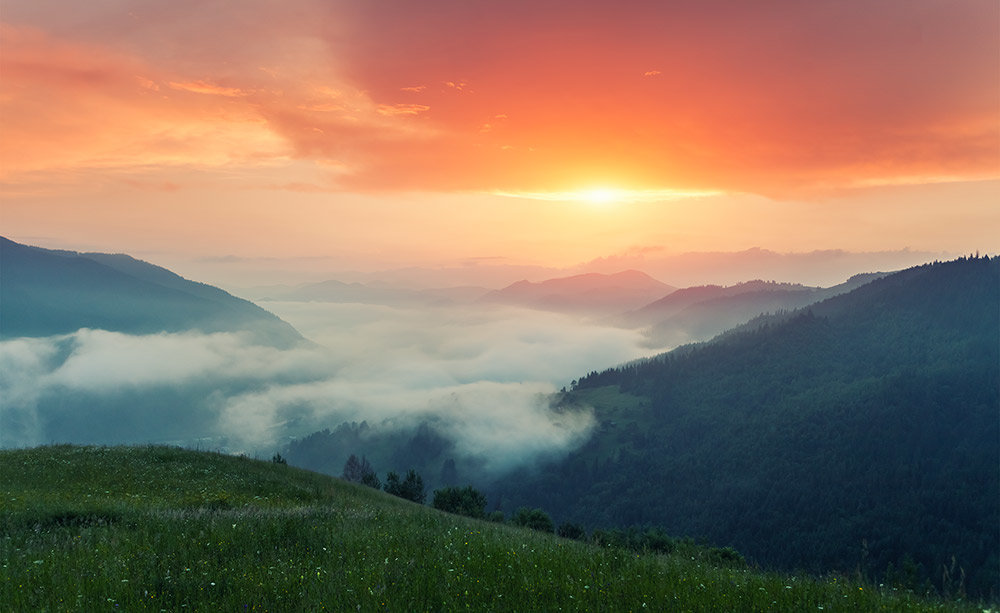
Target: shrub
[[410, 488], [726, 556], [536, 519], [608, 538], [571, 531], [371, 480], [460, 501]]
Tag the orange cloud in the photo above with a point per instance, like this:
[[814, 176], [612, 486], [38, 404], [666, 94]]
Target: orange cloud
[[397, 110], [204, 87], [77, 113]]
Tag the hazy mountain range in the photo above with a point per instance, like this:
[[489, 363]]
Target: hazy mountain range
[[668, 316], [591, 293], [699, 313]]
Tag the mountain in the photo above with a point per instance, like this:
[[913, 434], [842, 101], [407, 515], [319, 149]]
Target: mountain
[[861, 434], [168, 529], [46, 292], [591, 293], [688, 296], [699, 313]]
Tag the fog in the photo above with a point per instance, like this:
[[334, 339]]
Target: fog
[[482, 375]]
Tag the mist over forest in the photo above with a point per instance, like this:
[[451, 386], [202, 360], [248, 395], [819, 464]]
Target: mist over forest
[[482, 372], [486, 371]]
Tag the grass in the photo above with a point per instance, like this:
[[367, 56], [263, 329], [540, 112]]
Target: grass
[[166, 529]]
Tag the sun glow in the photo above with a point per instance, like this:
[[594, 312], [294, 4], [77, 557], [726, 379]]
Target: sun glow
[[611, 195], [602, 195]]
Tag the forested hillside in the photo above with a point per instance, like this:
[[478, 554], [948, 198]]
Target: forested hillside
[[860, 434]]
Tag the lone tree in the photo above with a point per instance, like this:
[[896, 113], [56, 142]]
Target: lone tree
[[360, 471], [460, 501], [410, 488]]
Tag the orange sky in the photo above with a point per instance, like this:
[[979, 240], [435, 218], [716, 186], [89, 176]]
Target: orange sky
[[381, 133]]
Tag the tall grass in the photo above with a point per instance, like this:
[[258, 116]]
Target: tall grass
[[152, 528]]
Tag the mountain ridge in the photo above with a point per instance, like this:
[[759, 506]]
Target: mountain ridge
[[47, 292]]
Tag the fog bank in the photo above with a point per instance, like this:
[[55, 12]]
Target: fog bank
[[482, 375]]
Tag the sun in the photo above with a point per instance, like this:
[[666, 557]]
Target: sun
[[602, 195]]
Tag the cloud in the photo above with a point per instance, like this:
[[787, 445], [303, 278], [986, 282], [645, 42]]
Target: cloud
[[395, 110], [204, 87], [83, 111], [482, 375]]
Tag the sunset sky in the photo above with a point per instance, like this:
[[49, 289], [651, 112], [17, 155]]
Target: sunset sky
[[378, 134]]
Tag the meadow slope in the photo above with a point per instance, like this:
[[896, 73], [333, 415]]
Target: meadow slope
[[162, 528]]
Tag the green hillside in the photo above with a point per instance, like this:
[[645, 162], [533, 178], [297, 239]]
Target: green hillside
[[156, 528]]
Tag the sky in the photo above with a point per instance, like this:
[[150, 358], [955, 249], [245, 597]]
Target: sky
[[335, 135]]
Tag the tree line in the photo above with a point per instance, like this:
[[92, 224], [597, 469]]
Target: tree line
[[470, 502]]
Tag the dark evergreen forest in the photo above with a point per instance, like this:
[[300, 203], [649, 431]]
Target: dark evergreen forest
[[860, 435]]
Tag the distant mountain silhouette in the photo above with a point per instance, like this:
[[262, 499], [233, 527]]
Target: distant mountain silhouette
[[44, 292], [591, 293], [698, 313]]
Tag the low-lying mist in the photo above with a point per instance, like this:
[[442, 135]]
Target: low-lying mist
[[483, 376]]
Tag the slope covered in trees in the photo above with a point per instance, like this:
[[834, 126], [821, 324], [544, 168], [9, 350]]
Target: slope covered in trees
[[860, 434]]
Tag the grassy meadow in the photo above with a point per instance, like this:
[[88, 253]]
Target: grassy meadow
[[167, 529]]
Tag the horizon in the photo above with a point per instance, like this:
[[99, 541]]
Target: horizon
[[320, 138], [817, 268]]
